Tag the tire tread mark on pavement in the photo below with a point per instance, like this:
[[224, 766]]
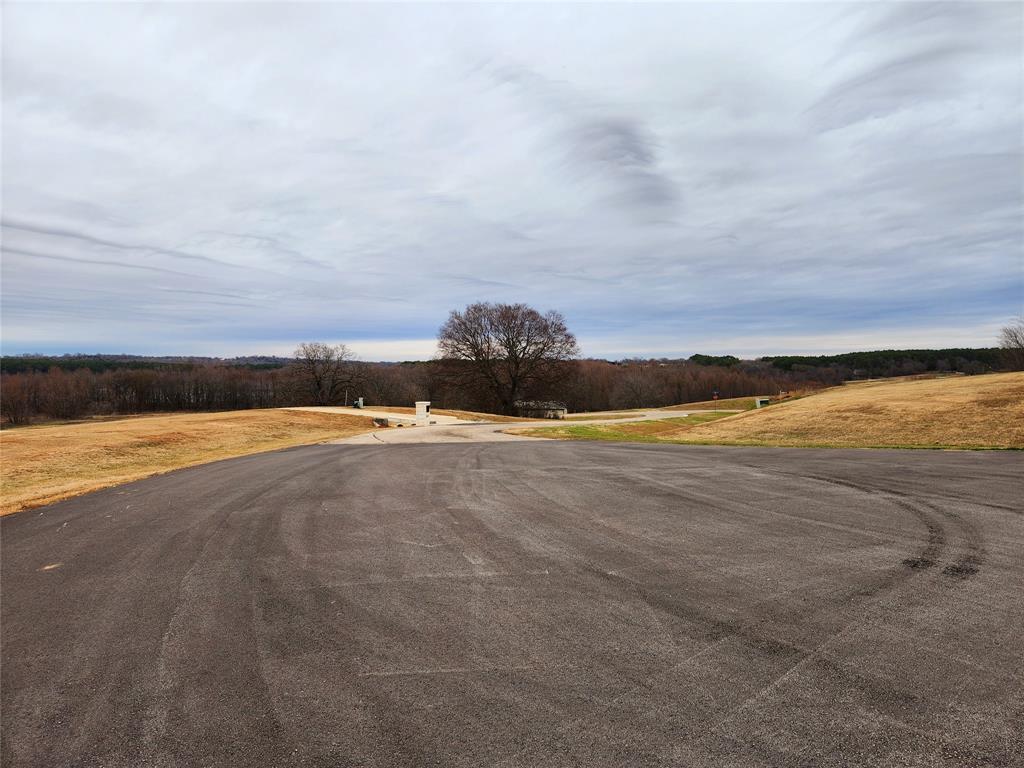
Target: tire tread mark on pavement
[[420, 746], [751, 632], [934, 547], [199, 598], [721, 629], [875, 584], [970, 555], [296, 612], [887, 582]]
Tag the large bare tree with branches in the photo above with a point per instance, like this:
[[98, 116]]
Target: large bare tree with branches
[[1011, 339], [509, 350], [324, 371]]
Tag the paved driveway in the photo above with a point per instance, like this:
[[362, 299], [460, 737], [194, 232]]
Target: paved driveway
[[523, 604], [449, 429]]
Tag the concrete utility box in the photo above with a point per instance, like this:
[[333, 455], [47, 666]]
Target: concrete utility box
[[761, 402], [422, 412]]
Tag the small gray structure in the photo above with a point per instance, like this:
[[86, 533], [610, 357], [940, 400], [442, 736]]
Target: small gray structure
[[541, 409]]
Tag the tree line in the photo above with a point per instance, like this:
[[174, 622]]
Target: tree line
[[583, 385], [99, 363], [898, 362], [493, 358]]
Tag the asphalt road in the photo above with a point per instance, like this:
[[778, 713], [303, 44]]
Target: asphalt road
[[524, 604]]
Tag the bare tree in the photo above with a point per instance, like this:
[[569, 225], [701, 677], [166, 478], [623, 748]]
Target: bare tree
[[324, 371], [509, 350], [16, 396], [1011, 339], [638, 386]]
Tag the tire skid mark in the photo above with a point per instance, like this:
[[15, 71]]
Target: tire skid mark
[[932, 516], [722, 628], [195, 600], [719, 630], [977, 503], [935, 544], [970, 555], [175, 666], [300, 612], [877, 584], [755, 634]]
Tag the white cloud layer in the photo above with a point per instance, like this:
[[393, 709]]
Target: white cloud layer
[[235, 178]]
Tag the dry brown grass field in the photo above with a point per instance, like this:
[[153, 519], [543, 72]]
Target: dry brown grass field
[[728, 404], [596, 415], [951, 412], [736, 403], [650, 431], [47, 463]]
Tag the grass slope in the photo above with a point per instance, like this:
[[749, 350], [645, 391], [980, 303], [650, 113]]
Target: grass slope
[[598, 415], [954, 412], [728, 404], [48, 463], [637, 431]]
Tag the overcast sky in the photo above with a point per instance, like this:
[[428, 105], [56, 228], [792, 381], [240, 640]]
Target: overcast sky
[[232, 179]]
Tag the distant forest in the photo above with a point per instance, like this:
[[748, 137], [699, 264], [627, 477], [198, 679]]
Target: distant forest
[[100, 363], [896, 362], [77, 386]]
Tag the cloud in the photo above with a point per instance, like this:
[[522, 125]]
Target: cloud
[[96, 241], [618, 149], [185, 179], [612, 156], [910, 54], [94, 262]]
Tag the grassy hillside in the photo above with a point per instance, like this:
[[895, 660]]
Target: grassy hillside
[[597, 415], [954, 412], [48, 463], [653, 431], [727, 404]]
